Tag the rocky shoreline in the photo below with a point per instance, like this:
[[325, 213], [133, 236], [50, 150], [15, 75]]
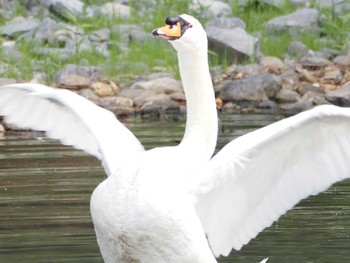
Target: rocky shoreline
[[304, 79]]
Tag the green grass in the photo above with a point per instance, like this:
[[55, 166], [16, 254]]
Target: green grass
[[159, 55]]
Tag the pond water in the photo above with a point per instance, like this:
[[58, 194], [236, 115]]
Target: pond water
[[45, 190]]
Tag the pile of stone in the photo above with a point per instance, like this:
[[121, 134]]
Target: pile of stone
[[304, 79]]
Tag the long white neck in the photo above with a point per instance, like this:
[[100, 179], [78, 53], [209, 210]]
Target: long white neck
[[202, 123]]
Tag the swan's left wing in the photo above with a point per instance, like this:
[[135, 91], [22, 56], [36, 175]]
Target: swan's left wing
[[256, 178], [70, 118]]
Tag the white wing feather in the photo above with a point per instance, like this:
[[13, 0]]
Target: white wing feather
[[70, 118], [256, 178]]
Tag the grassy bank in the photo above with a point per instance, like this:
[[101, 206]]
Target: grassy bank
[[151, 56]]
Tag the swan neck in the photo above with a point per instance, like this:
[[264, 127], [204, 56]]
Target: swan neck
[[201, 126]]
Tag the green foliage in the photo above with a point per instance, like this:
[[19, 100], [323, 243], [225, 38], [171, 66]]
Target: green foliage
[[155, 53]]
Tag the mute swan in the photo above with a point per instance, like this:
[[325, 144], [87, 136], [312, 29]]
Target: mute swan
[[180, 204]]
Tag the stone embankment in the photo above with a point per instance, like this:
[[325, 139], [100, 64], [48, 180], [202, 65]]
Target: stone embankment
[[302, 80]]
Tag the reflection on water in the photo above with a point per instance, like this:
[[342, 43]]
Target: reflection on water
[[45, 190]]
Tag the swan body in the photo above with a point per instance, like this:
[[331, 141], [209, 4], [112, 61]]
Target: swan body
[[180, 204]]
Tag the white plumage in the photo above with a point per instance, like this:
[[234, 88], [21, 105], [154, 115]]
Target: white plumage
[[159, 205]]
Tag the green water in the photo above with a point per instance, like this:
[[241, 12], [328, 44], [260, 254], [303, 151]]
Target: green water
[[45, 190]]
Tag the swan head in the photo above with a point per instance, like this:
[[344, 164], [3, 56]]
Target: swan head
[[184, 32]]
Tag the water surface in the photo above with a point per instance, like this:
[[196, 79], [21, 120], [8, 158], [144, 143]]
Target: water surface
[[45, 190]]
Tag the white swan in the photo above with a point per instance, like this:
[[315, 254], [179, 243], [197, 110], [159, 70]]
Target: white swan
[[159, 205]]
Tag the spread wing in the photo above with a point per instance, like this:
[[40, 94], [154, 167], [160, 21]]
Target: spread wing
[[70, 118], [256, 178]]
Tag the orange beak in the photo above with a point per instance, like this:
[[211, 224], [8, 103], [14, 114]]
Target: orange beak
[[168, 32]]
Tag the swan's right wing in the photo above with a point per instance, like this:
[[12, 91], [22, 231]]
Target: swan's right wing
[[70, 118], [258, 177]]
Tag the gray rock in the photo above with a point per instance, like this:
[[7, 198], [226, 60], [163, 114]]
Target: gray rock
[[18, 26], [160, 107], [44, 32], [315, 98], [235, 45], [340, 6], [74, 76], [309, 88], [112, 9], [129, 32], [252, 89], [213, 8], [164, 85], [287, 95], [315, 62], [101, 35], [226, 23], [341, 96], [328, 53], [267, 106], [342, 60], [63, 7], [294, 108], [305, 20], [297, 49], [139, 96]]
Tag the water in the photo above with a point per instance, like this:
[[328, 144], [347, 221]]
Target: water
[[45, 190]]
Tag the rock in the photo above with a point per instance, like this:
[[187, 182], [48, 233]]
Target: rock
[[18, 26], [254, 89], [340, 6], [306, 75], [304, 20], [76, 77], [267, 106], [124, 102], [44, 32], [289, 77], [333, 75], [233, 45], [342, 60], [6, 81], [129, 32], [294, 108], [163, 85], [315, 62], [118, 105], [297, 49], [341, 96], [139, 96], [328, 53], [272, 64], [73, 81], [212, 8], [287, 95], [64, 8], [226, 23], [315, 98], [101, 35], [113, 9], [103, 89], [160, 107], [309, 88]]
